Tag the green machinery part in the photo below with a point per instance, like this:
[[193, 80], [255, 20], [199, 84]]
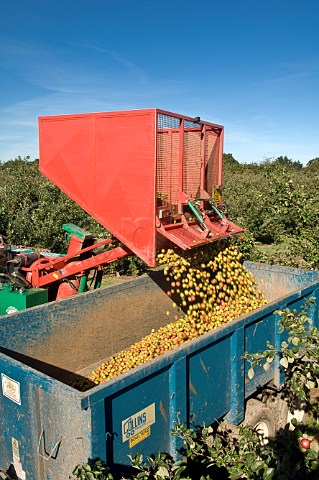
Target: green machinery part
[[14, 299]]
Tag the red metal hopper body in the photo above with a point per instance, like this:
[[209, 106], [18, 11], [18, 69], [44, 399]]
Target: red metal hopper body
[[152, 178]]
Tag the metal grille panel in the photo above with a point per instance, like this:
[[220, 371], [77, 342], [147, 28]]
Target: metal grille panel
[[168, 160], [200, 144], [212, 161], [192, 163]]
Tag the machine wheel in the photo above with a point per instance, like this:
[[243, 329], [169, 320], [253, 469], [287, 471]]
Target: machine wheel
[[280, 409], [261, 418], [285, 413]]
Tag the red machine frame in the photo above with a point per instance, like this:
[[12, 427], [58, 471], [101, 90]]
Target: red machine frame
[[151, 177]]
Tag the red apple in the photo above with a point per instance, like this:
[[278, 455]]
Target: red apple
[[305, 443]]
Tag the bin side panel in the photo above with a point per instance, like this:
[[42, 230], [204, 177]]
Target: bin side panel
[[276, 281], [64, 431], [266, 328], [138, 418], [256, 336], [209, 382], [44, 431], [18, 445]]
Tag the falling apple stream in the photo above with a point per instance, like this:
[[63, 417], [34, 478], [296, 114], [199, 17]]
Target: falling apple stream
[[212, 287]]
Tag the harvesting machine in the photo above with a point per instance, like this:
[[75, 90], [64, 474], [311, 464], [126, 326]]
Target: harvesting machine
[[152, 178]]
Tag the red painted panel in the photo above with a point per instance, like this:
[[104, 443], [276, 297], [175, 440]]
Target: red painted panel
[[106, 163], [125, 179], [66, 155]]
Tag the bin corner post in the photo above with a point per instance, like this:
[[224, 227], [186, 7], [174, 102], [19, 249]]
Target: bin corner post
[[178, 401], [237, 403], [279, 372], [98, 432]]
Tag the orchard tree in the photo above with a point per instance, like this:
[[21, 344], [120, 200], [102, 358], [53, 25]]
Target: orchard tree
[[229, 160], [313, 164], [287, 162]]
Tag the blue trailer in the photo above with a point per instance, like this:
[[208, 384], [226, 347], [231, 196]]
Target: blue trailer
[[47, 427]]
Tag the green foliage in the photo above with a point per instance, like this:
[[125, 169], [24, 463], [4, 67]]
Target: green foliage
[[306, 246], [284, 161], [95, 471], [245, 244], [299, 357], [277, 202], [228, 159], [32, 209], [313, 164], [269, 203], [130, 265], [241, 453], [160, 467], [242, 456]]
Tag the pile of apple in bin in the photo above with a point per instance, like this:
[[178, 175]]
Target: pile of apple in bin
[[211, 286]]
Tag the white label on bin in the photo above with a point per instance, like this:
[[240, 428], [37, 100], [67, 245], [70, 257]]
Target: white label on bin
[[134, 424], [11, 389], [11, 310], [16, 460]]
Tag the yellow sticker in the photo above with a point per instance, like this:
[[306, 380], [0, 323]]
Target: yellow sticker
[[55, 275], [217, 196], [138, 422], [140, 437]]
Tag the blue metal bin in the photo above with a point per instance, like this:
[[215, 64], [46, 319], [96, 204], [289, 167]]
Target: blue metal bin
[[47, 427]]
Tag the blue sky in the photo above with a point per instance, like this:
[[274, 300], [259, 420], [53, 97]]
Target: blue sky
[[250, 65]]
